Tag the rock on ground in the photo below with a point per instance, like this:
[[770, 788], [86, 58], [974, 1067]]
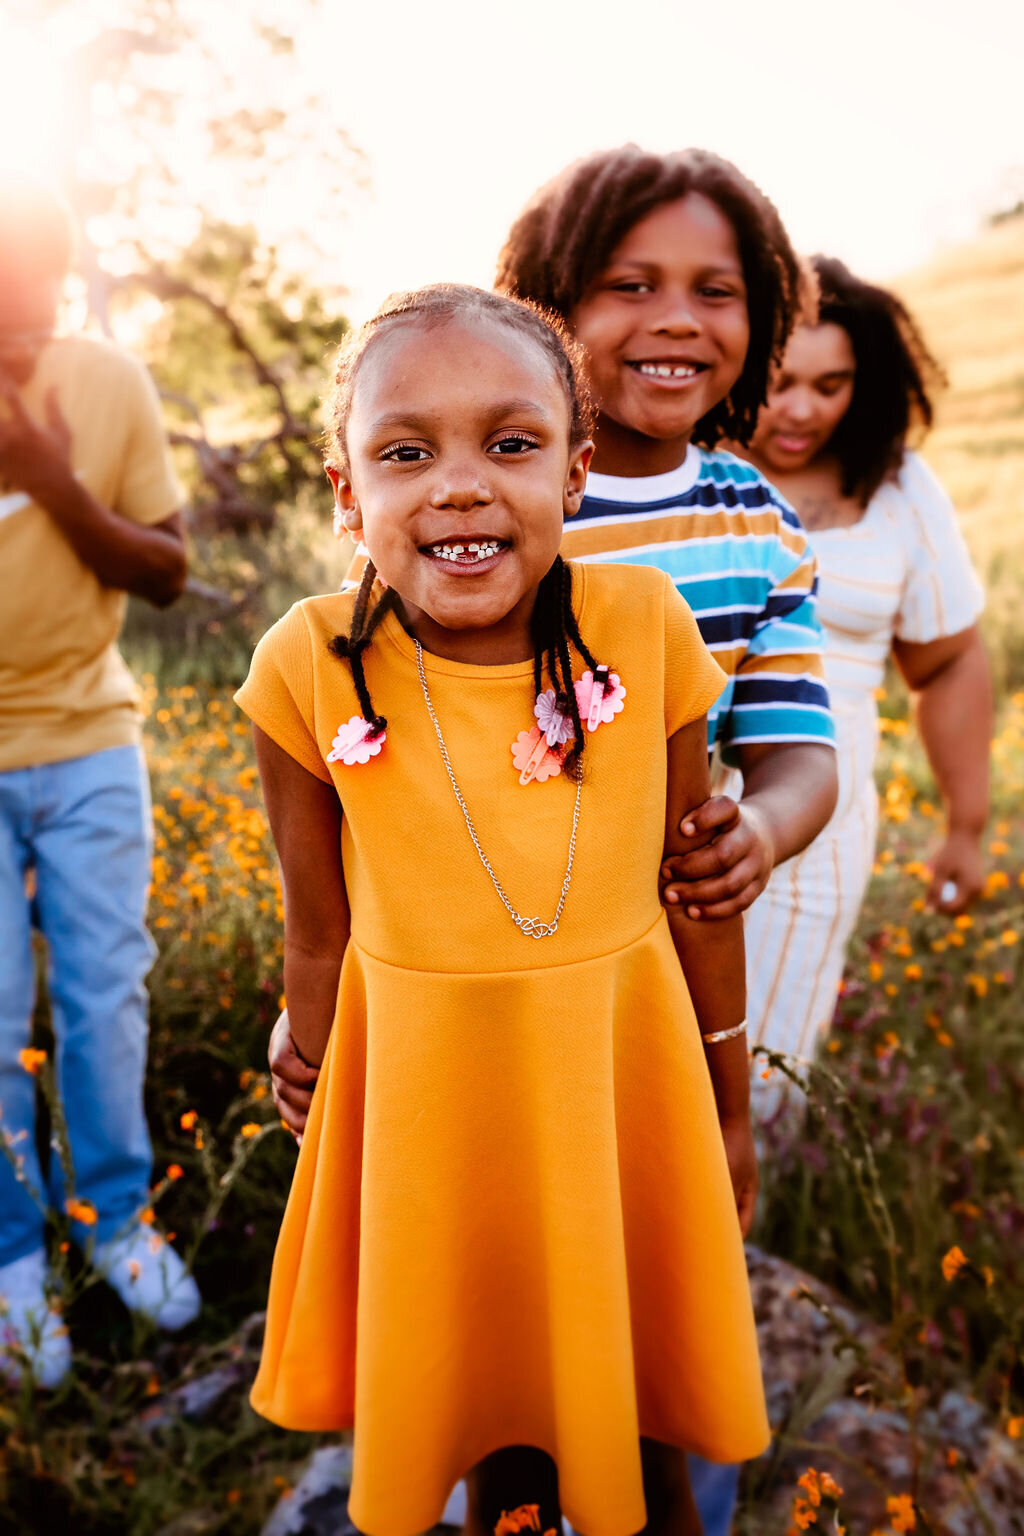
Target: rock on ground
[[809, 1380], [318, 1504]]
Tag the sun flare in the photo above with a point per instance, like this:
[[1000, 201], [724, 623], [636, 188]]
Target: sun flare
[[32, 96]]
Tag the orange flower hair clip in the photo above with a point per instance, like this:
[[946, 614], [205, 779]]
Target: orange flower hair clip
[[539, 753]]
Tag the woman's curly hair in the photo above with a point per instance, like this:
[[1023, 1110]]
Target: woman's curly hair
[[564, 238], [895, 379]]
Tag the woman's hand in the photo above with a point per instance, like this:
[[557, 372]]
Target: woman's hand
[[732, 858], [738, 1135], [958, 872], [292, 1079], [953, 703]]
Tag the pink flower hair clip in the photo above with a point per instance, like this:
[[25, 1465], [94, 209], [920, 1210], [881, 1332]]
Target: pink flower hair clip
[[353, 743], [600, 697]]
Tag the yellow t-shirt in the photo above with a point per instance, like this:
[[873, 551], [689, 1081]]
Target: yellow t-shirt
[[64, 689]]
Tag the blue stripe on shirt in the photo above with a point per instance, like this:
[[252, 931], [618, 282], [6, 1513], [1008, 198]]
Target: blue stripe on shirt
[[736, 583]]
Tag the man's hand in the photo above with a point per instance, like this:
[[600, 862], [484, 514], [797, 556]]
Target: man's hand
[[738, 1136], [292, 1079], [958, 873], [33, 459], [733, 855]]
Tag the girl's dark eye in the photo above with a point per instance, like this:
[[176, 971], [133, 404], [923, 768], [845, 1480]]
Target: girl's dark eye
[[632, 285], [404, 453], [513, 443]]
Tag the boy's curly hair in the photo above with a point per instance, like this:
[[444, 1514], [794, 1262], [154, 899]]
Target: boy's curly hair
[[563, 240], [895, 379]]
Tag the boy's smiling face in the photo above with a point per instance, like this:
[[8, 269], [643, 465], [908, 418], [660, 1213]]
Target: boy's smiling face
[[666, 331], [459, 474]]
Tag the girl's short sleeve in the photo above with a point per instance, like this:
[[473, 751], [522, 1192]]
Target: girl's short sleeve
[[278, 693], [693, 679], [942, 594]]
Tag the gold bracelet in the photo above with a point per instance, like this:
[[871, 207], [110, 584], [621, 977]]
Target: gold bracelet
[[725, 1034]]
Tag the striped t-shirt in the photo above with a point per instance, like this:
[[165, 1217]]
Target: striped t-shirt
[[737, 553]]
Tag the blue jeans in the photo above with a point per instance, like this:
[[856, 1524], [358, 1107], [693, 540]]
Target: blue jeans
[[85, 827], [714, 1491]]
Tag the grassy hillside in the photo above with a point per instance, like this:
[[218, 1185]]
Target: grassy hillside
[[970, 302]]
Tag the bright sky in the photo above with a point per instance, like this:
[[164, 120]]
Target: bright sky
[[881, 129]]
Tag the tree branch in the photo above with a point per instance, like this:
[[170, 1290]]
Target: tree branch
[[164, 286]]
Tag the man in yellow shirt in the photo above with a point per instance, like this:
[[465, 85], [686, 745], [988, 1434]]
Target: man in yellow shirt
[[88, 513]]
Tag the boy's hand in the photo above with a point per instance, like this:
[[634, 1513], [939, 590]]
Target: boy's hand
[[35, 459], [733, 855], [738, 1136], [291, 1078]]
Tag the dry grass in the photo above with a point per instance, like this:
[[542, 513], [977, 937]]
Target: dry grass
[[970, 302]]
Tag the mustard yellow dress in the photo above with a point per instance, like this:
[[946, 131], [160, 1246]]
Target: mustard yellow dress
[[511, 1221]]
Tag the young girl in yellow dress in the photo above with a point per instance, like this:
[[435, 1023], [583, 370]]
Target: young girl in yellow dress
[[516, 1215]]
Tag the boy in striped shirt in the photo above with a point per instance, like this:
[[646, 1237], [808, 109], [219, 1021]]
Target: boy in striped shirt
[[676, 276]]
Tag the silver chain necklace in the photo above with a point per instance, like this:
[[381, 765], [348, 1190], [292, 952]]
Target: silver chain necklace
[[532, 927]]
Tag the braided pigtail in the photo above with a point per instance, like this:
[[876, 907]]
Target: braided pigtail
[[572, 628], [542, 625], [572, 762], [350, 647], [554, 629]]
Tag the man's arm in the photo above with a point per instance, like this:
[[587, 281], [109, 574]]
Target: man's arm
[[148, 561]]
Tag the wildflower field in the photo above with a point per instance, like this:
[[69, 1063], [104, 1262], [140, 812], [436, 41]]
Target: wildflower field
[[905, 1190], [902, 1193]]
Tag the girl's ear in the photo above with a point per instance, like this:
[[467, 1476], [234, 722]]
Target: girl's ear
[[576, 478], [347, 515]]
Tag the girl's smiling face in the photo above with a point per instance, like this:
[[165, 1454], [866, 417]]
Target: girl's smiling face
[[666, 331], [460, 471], [809, 396]]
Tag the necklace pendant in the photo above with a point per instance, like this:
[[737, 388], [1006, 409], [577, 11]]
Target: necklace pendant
[[535, 928]]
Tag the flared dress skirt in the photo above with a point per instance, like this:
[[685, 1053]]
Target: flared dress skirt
[[509, 1227]]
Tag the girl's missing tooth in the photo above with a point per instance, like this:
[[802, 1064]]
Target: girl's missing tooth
[[676, 275], [514, 1215]]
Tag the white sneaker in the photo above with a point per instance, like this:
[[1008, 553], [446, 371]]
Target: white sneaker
[[149, 1277], [32, 1336]]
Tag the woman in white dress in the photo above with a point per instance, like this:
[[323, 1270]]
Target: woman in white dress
[[894, 577]]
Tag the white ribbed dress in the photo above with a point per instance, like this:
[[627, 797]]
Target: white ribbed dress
[[902, 572]]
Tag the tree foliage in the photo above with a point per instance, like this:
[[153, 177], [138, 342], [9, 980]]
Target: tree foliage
[[192, 145]]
